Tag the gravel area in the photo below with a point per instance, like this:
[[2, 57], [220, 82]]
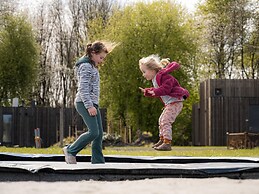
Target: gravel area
[[146, 186]]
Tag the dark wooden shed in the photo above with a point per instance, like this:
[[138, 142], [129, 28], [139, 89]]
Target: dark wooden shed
[[225, 106], [17, 124]]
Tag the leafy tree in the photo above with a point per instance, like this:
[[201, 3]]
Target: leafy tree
[[229, 30], [18, 61], [251, 47], [143, 29]]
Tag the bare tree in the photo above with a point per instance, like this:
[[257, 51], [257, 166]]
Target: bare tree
[[44, 25], [70, 37], [250, 48], [62, 32], [228, 31], [7, 6]]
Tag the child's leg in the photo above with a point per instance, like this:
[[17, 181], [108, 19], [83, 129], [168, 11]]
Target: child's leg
[[159, 125], [87, 137], [161, 138], [160, 142], [167, 118], [97, 155]]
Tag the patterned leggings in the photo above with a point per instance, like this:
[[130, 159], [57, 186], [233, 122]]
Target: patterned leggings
[[167, 118]]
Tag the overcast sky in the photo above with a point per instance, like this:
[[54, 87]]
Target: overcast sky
[[189, 4]]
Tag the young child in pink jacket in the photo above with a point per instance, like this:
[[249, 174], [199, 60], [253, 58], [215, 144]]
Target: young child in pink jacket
[[168, 89]]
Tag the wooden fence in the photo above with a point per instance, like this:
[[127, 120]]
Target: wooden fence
[[225, 106], [17, 125]]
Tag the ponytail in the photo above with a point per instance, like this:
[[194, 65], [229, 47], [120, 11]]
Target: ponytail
[[153, 62], [165, 62], [100, 46], [96, 47]]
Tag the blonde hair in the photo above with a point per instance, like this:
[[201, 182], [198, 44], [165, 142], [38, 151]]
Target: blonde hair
[[153, 62]]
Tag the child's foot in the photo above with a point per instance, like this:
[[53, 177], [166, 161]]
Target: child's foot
[[164, 147], [160, 142], [69, 158]]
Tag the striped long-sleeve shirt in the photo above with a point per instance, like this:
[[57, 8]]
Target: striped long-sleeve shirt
[[88, 84]]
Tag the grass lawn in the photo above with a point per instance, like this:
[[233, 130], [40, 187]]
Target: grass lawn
[[196, 151]]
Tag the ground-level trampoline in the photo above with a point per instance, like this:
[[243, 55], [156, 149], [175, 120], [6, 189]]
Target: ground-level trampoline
[[46, 167]]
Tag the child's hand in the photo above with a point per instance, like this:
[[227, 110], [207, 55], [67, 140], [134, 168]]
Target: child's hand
[[142, 89], [151, 92], [92, 111]]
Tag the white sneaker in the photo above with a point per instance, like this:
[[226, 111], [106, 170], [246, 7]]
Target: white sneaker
[[69, 158]]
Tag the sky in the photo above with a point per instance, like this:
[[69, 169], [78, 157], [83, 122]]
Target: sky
[[188, 4]]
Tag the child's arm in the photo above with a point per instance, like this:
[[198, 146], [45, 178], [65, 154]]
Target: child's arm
[[147, 91], [170, 67], [172, 89], [164, 89]]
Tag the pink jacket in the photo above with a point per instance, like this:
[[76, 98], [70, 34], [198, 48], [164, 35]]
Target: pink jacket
[[168, 85]]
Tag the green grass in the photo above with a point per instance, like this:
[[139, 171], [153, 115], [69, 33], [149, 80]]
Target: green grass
[[194, 151]]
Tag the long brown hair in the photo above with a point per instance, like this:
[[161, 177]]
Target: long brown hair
[[96, 47]]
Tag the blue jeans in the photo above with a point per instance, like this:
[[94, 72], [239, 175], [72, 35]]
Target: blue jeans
[[94, 134]]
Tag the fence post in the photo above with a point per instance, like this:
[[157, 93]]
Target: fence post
[[69, 131], [37, 138], [61, 126], [130, 135], [76, 132]]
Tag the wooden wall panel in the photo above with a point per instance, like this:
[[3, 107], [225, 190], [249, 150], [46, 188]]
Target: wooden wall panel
[[223, 113], [195, 124], [202, 116], [26, 119]]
